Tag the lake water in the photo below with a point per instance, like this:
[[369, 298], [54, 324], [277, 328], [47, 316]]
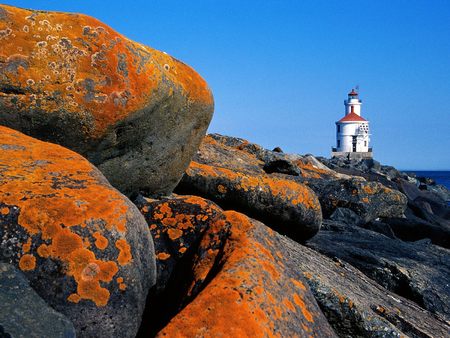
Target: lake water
[[441, 177]]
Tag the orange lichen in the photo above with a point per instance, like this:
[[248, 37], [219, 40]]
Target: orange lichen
[[174, 233], [163, 256], [54, 212], [74, 298], [289, 305], [101, 241], [4, 211], [44, 251], [26, 246], [27, 262], [91, 67], [237, 301], [124, 252], [287, 190], [298, 284], [222, 189], [308, 315], [310, 171]]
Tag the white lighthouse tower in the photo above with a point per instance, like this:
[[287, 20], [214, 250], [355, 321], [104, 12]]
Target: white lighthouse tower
[[352, 131]]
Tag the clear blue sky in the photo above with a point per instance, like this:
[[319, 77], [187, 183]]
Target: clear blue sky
[[280, 70]]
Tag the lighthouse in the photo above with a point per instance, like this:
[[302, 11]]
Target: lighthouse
[[352, 131]]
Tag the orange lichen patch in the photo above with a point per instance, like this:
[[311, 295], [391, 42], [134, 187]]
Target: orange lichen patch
[[91, 67], [287, 190], [44, 251], [182, 250], [26, 246], [310, 171], [174, 233], [289, 305], [298, 284], [163, 256], [74, 298], [365, 200], [4, 211], [101, 241], [222, 189], [236, 301], [27, 262], [122, 285], [170, 221], [54, 212], [124, 252], [308, 315], [308, 275]]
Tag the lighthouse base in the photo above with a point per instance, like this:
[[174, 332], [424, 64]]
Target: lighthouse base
[[352, 155]]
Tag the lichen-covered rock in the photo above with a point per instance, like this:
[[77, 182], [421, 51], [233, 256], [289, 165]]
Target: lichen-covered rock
[[176, 224], [369, 200], [23, 311], [135, 112], [244, 285], [84, 247], [289, 207]]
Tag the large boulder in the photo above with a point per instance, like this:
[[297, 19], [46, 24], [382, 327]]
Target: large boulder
[[289, 207], [228, 159], [238, 282], [23, 311], [84, 247], [135, 112]]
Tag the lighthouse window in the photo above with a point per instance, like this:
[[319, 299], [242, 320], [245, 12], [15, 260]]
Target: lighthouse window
[[365, 143]]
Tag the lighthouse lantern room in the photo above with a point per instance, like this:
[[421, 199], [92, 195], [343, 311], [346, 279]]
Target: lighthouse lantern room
[[352, 131]]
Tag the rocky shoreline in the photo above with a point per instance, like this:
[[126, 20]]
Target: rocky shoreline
[[120, 218]]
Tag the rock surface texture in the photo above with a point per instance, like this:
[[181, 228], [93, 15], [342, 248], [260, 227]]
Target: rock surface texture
[[418, 271], [355, 305], [84, 247], [23, 311], [234, 180], [135, 112], [228, 276]]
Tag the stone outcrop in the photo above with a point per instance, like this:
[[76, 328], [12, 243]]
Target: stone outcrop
[[223, 162], [418, 271], [238, 277], [23, 311], [427, 211], [289, 207], [354, 304], [227, 275], [137, 113], [84, 247], [176, 224]]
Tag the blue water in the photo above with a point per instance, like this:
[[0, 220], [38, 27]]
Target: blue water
[[441, 177]]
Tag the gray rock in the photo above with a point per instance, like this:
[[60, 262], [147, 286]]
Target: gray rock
[[357, 306], [23, 313], [346, 216], [418, 271]]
